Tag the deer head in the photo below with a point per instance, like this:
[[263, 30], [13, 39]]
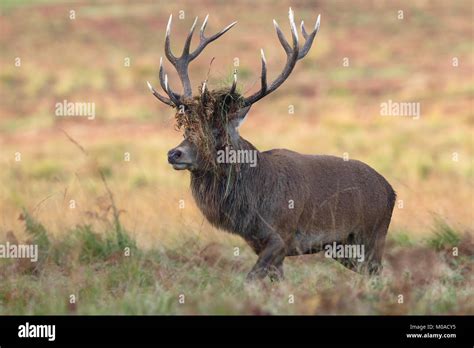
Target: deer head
[[210, 120]]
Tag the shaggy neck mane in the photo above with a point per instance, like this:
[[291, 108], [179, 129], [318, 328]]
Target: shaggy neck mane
[[228, 170], [226, 197]]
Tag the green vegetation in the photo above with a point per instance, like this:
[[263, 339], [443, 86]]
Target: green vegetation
[[444, 236], [107, 273]]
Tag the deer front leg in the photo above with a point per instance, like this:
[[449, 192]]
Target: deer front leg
[[270, 260]]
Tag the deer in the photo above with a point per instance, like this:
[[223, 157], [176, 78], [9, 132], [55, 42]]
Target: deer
[[288, 204]]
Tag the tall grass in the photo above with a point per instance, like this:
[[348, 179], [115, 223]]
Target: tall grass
[[109, 274]]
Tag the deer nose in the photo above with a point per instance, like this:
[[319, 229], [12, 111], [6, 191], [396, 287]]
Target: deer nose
[[173, 155]]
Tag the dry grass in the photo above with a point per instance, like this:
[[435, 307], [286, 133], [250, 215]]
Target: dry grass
[[196, 277]]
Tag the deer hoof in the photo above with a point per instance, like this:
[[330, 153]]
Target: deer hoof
[[255, 275]]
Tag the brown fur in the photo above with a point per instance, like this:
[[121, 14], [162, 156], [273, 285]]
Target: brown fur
[[334, 201]]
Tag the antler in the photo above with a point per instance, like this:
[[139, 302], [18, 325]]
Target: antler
[[181, 64], [294, 53]]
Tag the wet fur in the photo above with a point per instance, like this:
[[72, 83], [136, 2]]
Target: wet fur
[[334, 201]]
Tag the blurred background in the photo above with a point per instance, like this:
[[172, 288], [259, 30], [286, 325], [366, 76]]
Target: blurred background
[[103, 52], [336, 107]]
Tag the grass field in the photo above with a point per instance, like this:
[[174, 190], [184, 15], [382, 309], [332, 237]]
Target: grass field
[[52, 193]]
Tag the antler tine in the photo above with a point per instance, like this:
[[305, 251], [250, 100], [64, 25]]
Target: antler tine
[[204, 41], [234, 83], [308, 38], [294, 32], [293, 55], [159, 96], [175, 98], [303, 30], [168, 52], [203, 92], [203, 27], [170, 92], [263, 77], [187, 44], [281, 37]]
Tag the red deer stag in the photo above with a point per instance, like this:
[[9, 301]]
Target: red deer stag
[[282, 203]]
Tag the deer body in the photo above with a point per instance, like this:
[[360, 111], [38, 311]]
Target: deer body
[[286, 203], [295, 204]]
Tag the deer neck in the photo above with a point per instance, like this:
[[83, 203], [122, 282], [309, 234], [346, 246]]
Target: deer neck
[[235, 163], [219, 194]]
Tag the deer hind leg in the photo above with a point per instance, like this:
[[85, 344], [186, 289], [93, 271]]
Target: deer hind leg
[[276, 272], [373, 249], [355, 263], [349, 263], [270, 260]]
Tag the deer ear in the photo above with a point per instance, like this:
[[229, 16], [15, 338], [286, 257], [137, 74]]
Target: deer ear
[[240, 116]]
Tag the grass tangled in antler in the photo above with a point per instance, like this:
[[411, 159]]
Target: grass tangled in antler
[[206, 116]]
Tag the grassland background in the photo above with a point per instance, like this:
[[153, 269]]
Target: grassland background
[[337, 111]]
